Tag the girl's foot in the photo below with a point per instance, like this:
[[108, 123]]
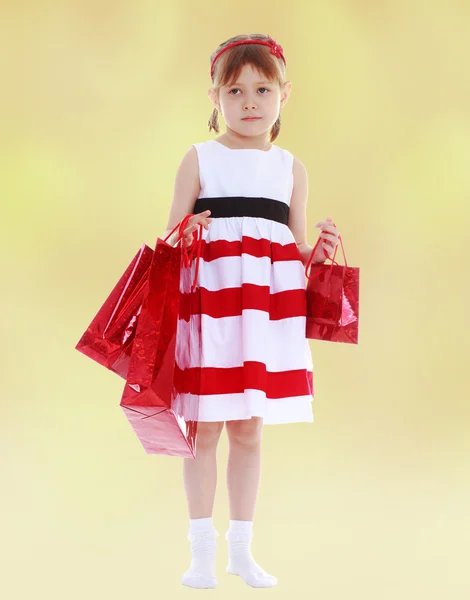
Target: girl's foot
[[201, 573], [242, 563]]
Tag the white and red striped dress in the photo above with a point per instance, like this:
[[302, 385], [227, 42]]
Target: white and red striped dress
[[253, 358]]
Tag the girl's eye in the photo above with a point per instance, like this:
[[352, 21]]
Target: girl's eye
[[237, 89]]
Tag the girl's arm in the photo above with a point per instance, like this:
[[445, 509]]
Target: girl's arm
[[298, 211], [186, 191]]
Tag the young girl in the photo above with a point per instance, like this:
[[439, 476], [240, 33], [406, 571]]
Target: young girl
[[250, 196]]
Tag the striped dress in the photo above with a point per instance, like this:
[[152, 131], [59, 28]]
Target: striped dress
[[251, 357]]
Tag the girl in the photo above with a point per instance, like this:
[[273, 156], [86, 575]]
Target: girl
[[250, 196]]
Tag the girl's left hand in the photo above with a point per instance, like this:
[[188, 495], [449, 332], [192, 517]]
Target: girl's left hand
[[329, 233]]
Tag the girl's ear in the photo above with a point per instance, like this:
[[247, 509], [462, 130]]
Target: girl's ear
[[286, 93], [213, 98]]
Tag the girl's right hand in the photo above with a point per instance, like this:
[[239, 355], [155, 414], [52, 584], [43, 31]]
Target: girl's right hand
[[193, 224]]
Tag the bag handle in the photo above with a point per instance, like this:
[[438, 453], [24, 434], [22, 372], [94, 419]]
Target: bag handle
[[188, 251], [181, 225], [326, 254]]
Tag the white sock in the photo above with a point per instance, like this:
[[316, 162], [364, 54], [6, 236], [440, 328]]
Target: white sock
[[201, 573], [241, 561]]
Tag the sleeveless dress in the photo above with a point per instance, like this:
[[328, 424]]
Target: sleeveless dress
[[253, 358]]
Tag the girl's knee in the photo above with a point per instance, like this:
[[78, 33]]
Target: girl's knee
[[208, 433], [245, 431]]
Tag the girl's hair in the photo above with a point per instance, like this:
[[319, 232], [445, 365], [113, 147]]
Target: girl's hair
[[230, 63]]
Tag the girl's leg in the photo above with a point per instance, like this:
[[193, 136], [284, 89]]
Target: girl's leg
[[243, 478], [244, 466], [200, 473], [200, 480]]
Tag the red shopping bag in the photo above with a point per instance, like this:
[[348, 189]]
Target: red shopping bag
[[108, 339], [151, 398], [332, 300]]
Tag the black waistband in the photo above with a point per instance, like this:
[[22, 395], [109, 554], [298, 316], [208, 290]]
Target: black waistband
[[241, 206]]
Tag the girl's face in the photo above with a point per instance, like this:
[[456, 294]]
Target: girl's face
[[251, 95]]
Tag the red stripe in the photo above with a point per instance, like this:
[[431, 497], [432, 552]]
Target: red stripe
[[230, 302], [253, 375], [248, 245]]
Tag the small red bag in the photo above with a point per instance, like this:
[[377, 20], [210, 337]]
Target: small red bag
[[151, 395], [108, 339], [332, 300]]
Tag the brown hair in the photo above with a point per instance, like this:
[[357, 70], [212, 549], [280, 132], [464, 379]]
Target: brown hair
[[230, 63]]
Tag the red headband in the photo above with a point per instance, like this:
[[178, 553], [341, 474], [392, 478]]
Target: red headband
[[276, 49]]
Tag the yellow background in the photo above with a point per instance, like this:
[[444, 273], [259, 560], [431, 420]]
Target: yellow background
[[100, 100]]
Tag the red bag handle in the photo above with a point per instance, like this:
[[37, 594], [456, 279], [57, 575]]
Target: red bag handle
[[188, 251], [326, 254]]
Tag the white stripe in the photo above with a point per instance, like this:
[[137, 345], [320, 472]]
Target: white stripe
[[229, 341], [232, 229], [232, 271], [251, 403]]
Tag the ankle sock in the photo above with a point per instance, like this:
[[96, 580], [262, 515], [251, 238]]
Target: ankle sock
[[203, 525], [202, 535], [241, 561]]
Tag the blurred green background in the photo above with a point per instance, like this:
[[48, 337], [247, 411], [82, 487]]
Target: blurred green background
[[100, 101]]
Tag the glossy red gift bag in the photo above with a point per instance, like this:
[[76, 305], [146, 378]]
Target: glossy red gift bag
[[108, 339], [332, 300], [151, 398]]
